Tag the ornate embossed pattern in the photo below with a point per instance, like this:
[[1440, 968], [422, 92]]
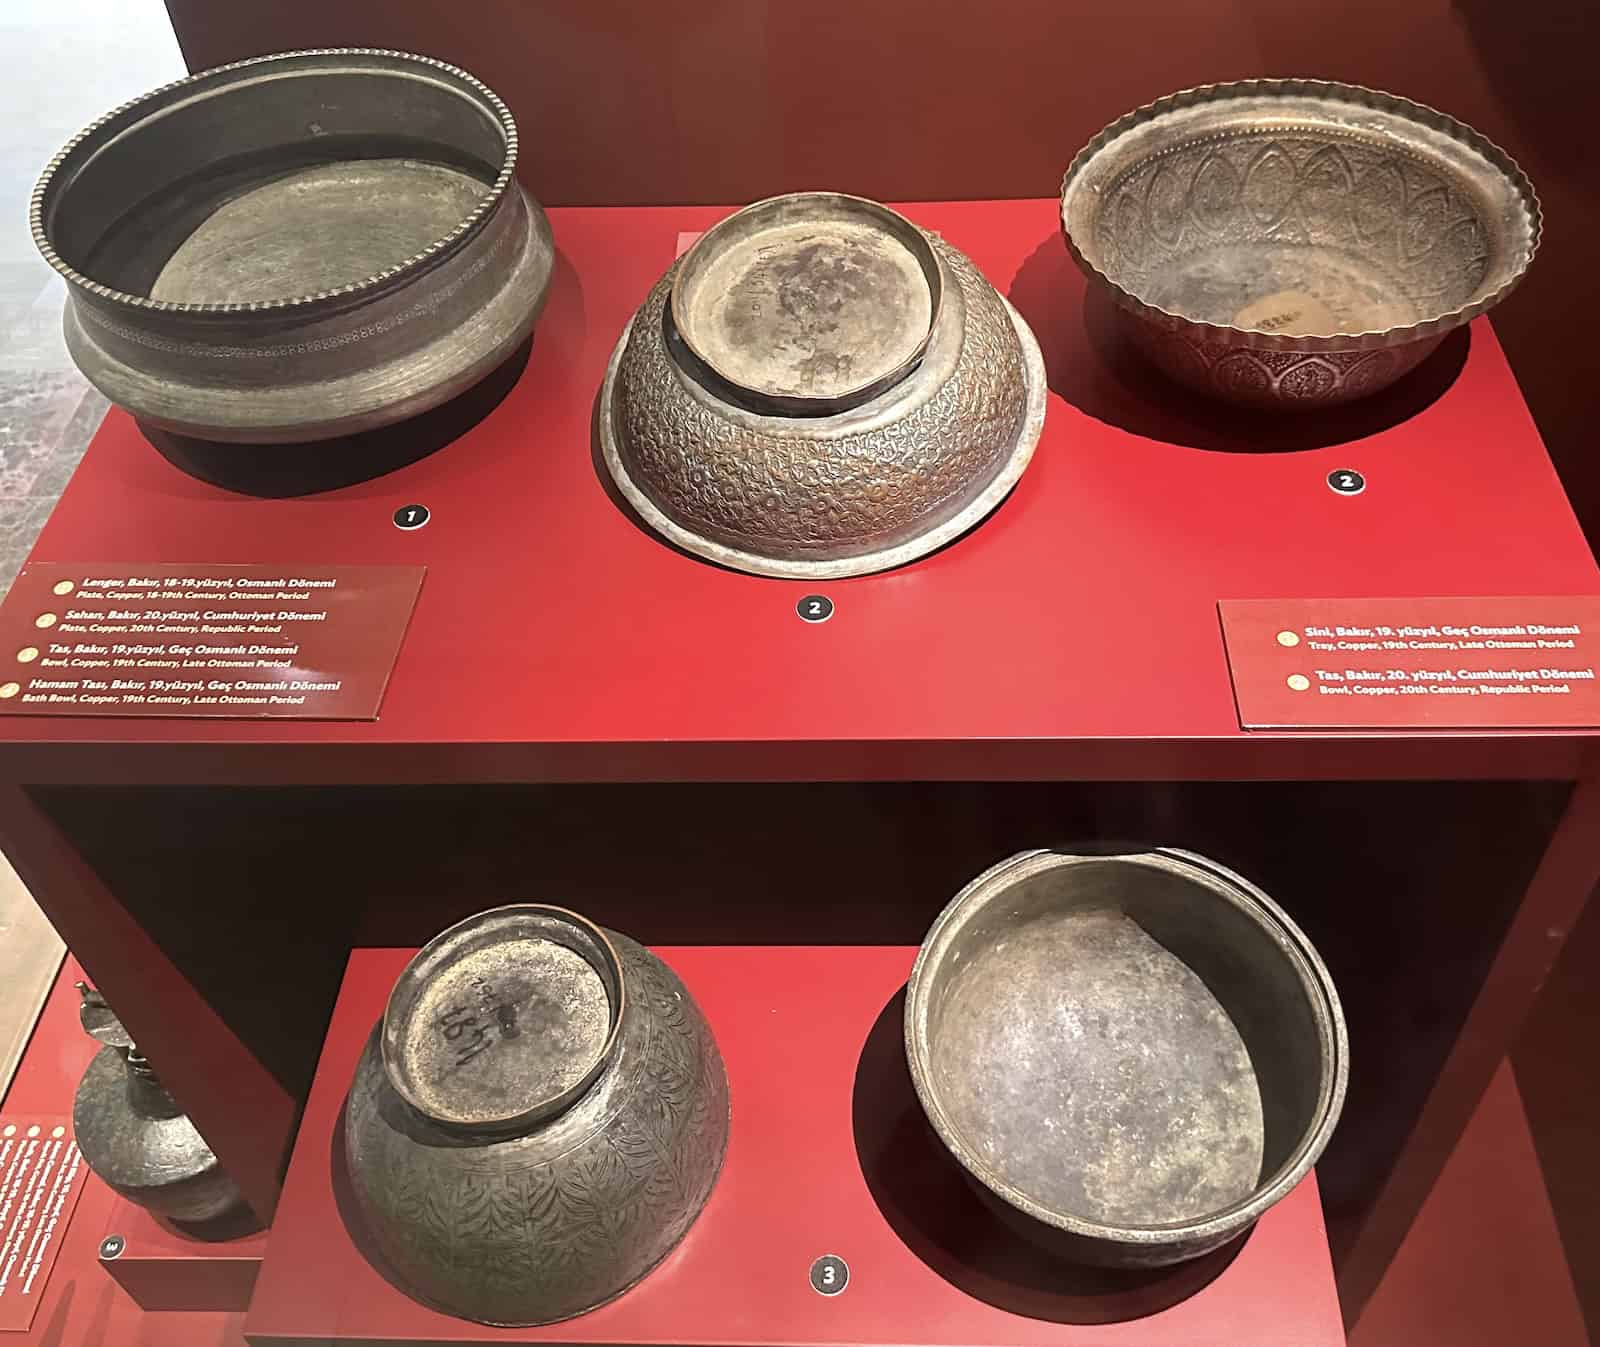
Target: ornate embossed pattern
[[542, 1226], [828, 492], [1273, 378], [1398, 214], [1402, 218]]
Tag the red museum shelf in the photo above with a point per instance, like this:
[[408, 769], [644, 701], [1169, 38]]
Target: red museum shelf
[[828, 1154], [163, 1268], [81, 1305], [1071, 637], [1072, 634]]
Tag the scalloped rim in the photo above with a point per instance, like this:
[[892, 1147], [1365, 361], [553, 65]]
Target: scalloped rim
[[486, 204], [1229, 335]]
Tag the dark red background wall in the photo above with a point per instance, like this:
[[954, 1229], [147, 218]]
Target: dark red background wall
[[728, 100]]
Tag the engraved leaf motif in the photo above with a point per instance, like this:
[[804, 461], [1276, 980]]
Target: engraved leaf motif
[[1424, 224], [1214, 193], [636, 1150], [436, 1214], [1269, 187], [405, 1196], [1166, 205], [472, 1204], [1242, 375], [541, 1196], [1127, 227], [1326, 183], [507, 1209], [1377, 200], [1309, 379]]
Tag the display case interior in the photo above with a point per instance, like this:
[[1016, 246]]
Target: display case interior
[[1372, 871], [1064, 659]]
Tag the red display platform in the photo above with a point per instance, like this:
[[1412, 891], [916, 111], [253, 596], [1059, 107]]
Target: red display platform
[[1072, 637], [1073, 633], [163, 1268], [828, 1154]]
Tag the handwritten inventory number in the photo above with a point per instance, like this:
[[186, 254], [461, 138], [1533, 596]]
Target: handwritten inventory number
[[475, 1029]]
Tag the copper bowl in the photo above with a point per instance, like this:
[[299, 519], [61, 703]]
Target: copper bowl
[[1296, 243], [297, 247], [817, 389], [1133, 1056]]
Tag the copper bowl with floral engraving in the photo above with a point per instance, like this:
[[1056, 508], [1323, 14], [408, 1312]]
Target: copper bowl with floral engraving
[[1296, 243]]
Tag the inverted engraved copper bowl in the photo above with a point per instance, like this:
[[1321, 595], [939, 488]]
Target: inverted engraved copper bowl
[[818, 388], [295, 247], [1296, 243], [1134, 1056], [537, 1120]]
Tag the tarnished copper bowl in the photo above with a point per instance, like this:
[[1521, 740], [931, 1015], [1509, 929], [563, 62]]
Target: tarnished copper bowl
[[295, 247], [538, 1119], [1133, 1055], [1296, 243], [818, 388]]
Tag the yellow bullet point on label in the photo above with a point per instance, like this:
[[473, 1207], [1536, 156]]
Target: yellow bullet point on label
[[10, 689], [27, 654], [64, 587], [1299, 682], [45, 620], [1288, 638]]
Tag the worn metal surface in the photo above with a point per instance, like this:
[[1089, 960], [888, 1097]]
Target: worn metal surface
[[847, 493], [295, 247], [136, 1138], [808, 304], [1296, 242], [566, 1126], [1137, 1054]]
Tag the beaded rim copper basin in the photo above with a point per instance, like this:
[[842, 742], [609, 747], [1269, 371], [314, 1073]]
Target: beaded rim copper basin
[[1295, 243], [1019, 963], [219, 78], [297, 247]]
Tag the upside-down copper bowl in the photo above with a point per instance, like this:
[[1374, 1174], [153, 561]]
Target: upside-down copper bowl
[[1296, 243], [819, 388]]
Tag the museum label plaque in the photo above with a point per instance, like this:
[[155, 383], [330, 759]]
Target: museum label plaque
[[174, 639], [1432, 663], [41, 1176]]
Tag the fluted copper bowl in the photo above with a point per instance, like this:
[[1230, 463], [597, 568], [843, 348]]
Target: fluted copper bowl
[[1296, 243], [818, 388], [1132, 1055]]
